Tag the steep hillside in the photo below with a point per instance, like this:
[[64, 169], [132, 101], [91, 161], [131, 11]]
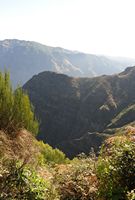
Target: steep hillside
[[68, 108], [25, 59], [33, 170]]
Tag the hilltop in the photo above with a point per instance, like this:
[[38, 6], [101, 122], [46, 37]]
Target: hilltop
[[81, 112]]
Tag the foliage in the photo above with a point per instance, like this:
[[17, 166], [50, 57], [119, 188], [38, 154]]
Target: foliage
[[77, 180], [116, 169], [50, 155], [16, 111], [111, 176], [19, 182], [131, 195]]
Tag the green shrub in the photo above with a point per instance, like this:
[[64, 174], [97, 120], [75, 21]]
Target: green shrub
[[116, 170], [50, 155], [19, 182]]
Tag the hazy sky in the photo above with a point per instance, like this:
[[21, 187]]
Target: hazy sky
[[93, 26]]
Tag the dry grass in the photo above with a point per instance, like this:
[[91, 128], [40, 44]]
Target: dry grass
[[22, 146]]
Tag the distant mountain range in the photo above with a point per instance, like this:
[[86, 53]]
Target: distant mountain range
[[24, 59], [76, 114]]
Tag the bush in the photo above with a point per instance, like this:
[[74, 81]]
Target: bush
[[77, 180], [19, 182], [50, 155], [116, 169]]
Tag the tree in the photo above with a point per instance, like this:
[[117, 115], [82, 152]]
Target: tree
[[16, 111]]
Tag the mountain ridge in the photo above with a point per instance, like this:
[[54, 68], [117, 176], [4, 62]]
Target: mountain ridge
[[26, 58], [69, 108]]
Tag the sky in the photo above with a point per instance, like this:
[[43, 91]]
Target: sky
[[92, 26]]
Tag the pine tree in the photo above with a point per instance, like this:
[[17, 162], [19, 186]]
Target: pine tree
[[16, 111]]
